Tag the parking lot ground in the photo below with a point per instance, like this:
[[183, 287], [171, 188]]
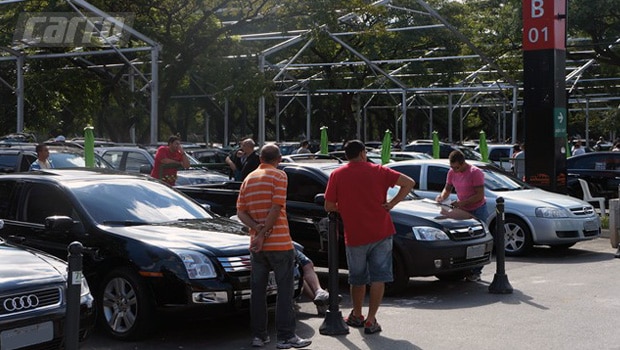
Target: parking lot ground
[[562, 299]]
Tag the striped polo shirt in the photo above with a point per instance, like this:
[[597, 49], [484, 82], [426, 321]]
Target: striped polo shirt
[[260, 189]]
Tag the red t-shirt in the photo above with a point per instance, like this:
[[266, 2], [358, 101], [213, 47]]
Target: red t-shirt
[[360, 189], [169, 175]]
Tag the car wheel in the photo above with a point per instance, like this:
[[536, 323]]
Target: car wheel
[[518, 238], [125, 308], [401, 278]]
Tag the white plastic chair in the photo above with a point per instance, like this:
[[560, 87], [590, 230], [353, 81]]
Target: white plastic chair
[[587, 196]]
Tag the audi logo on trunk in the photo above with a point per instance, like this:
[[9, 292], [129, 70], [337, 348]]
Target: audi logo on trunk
[[23, 302]]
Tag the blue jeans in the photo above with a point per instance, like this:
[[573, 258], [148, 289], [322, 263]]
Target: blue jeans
[[282, 263], [482, 214]]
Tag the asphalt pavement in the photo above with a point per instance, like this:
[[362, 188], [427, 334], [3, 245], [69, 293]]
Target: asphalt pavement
[[561, 299]]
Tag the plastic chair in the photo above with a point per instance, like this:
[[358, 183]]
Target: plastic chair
[[587, 196]]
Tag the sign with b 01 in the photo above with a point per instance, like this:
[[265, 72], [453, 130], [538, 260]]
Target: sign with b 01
[[544, 24]]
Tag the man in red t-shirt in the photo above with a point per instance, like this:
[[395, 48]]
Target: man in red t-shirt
[[171, 154], [358, 191]]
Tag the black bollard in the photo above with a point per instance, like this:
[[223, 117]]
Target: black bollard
[[500, 284], [74, 285], [334, 323]]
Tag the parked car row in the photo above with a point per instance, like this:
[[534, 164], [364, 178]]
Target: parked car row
[[141, 160]]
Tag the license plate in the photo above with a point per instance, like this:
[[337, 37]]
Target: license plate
[[475, 251], [25, 336], [590, 225]]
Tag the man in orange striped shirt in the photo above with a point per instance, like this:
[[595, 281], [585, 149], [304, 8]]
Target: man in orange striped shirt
[[261, 206]]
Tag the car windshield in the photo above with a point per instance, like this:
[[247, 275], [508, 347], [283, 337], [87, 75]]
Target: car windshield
[[393, 191], [72, 160], [135, 202], [496, 180]]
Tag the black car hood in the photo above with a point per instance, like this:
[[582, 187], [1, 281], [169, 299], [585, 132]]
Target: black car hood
[[20, 268], [220, 236], [417, 211]]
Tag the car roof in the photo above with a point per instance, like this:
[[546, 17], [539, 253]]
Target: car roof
[[75, 174]]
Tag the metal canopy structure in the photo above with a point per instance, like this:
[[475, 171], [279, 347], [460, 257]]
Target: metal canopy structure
[[82, 56], [393, 83], [485, 84]]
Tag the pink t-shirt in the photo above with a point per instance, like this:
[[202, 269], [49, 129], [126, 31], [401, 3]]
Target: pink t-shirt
[[464, 182]]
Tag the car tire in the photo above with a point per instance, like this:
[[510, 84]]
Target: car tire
[[517, 237], [400, 276], [125, 308]]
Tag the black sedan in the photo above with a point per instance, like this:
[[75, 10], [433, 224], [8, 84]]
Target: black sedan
[[155, 248], [33, 302], [427, 243], [600, 169]]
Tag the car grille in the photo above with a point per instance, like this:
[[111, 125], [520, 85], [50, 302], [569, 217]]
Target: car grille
[[467, 233], [28, 301], [462, 262], [233, 264], [585, 210]]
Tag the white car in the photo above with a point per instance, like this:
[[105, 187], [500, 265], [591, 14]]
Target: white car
[[532, 216], [500, 154]]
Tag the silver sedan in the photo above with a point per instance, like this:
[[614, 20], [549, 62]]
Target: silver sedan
[[532, 216]]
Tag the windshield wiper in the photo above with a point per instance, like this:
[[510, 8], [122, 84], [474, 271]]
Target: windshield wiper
[[125, 222]]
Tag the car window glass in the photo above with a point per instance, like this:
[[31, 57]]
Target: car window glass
[[303, 188], [44, 200], [413, 171], [134, 161], [436, 178], [114, 158], [7, 189], [498, 154], [8, 162]]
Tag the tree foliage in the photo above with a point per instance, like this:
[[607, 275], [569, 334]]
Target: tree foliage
[[209, 59]]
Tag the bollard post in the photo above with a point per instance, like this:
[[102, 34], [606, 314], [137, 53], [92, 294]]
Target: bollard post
[[334, 323], [500, 284], [74, 284]]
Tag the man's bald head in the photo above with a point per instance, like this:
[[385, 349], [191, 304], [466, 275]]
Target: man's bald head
[[270, 154]]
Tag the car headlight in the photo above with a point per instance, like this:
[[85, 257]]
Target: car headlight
[[551, 213], [197, 264], [84, 289], [425, 233]]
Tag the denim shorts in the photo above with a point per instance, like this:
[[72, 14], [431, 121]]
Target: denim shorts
[[301, 258], [370, 263]]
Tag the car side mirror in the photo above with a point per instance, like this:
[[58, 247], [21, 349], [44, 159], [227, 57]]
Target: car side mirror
[[319, 199], [145, 169], [59, 223]]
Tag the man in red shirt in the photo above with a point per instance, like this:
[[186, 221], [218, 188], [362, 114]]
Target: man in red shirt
[[358, 191], [171, 154]]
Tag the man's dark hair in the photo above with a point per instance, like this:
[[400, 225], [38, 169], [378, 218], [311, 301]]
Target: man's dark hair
[[456, 156], [353, 148], [270, 153], [304, 143], [39, 147], [172, 138]]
